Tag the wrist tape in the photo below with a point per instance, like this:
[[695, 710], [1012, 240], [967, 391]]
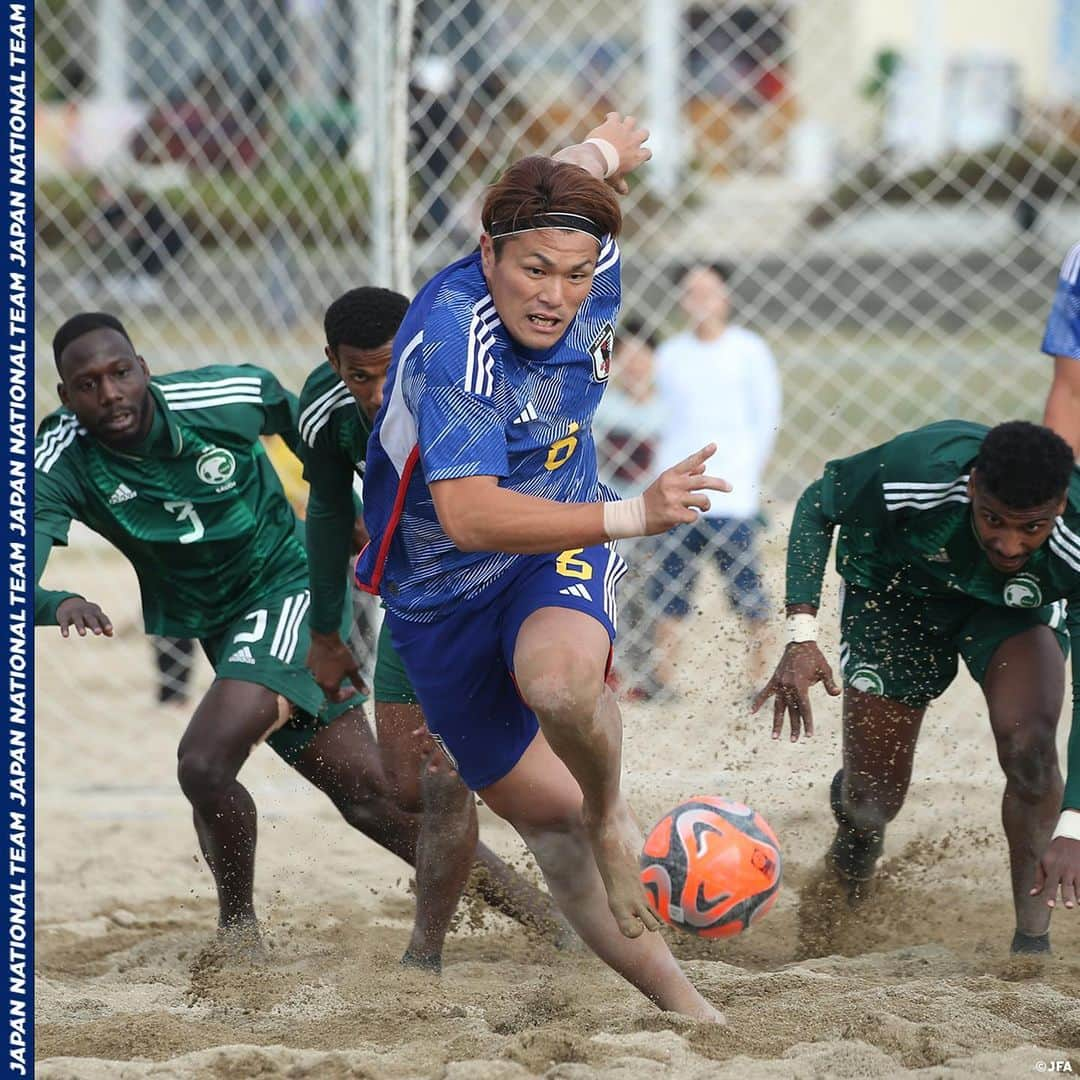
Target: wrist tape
[[801, 627], [625, 518], [609, 154], [1068, 825]]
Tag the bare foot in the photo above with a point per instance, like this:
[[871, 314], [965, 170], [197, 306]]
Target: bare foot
[[240, 943], [422, 961], [686, 1003], [709, 1013], [616, 843]]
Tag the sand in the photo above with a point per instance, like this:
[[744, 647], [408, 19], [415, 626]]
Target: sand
[[920, 984]]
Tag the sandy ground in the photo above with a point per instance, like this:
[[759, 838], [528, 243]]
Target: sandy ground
[[921, 985]]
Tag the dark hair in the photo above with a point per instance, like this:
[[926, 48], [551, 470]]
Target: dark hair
[[541, 185], [364, 318], [1023, 465], [722, 270], [84, 323], [633, 327]]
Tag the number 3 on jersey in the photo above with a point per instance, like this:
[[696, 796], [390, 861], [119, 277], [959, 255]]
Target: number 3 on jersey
[[185, 511]]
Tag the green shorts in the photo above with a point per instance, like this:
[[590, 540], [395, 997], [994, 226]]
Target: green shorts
[[392, 684], [907, 648], [268, 646]]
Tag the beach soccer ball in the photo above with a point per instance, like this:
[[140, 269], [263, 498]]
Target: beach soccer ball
[[711, 867]]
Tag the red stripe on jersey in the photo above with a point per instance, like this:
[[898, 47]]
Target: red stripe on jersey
[[391, 526]]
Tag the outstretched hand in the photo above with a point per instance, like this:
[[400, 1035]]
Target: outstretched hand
[[628, 138], [1059, 868], [676, 495], [83, 615], [800, 667]]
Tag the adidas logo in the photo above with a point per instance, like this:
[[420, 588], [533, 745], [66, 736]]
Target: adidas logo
[[242, 656], [527, 414], [121, 495], [576, 590]]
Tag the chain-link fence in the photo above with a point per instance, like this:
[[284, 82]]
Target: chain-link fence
[[891, 186]]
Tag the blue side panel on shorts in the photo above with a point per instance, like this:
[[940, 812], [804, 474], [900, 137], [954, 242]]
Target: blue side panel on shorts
[[461, 667]]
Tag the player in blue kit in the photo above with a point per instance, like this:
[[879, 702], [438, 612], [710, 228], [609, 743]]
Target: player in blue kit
[[491, 537], [1062, 342]]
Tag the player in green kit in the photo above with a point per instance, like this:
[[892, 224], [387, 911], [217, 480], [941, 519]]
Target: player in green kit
[[338, 403], [171, 472], [954, 541]]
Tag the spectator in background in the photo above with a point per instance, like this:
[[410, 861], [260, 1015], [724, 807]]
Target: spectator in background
[[629, 421], [1062, 342], [717, 383], [436, 136], [627, 427], [140, 237]]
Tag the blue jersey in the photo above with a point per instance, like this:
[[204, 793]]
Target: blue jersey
[[1062, 336], [462, 398]]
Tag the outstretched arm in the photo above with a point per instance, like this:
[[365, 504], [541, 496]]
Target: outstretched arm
[[53, 607], [802, 663], [1063, 402], [1059, 867], [478, 515], [1062, 342], [611, 151], [331, 516]]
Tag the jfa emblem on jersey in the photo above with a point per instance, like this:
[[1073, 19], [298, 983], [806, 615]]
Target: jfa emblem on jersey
[[215, 466], [600, 351], [1023, 591]]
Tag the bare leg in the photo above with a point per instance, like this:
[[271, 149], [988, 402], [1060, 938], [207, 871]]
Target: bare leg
[[421, 782], [879, 752], [667, 637], [541, 799], [559, 663], [1024, 687], [229, 720], [444, 857]]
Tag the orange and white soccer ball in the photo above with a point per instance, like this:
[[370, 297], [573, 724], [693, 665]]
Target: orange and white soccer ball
[[711, 867]]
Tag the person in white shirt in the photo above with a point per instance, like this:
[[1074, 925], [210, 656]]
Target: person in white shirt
[[628, 425], [717, 382]]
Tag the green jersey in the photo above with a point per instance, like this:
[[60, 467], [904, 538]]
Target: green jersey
[[905, 526], [334, 434], [197, 509]]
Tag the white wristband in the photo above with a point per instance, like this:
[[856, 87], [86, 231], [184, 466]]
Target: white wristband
[[625, 518], [801, 627], [609, 154], [1068, 825]]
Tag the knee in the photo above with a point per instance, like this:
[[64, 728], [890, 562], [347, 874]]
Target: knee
[[364, 808], [1029, 761], [441, 790], [561, 848], [404, 785], [569, 687], [202, 775]]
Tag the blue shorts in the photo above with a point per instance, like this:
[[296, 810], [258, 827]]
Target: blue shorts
[[731, 542], [461, 666]]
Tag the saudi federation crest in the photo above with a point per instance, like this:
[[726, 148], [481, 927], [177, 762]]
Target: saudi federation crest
[[866, 679], [1023, 591], [600, 350], [215, 466]]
